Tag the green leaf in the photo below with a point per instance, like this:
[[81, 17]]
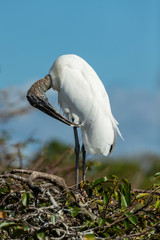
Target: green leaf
[[99, 180], [41, 236], [100, 207], [105, 198], [124, 193], [74, 211], [25, 199], [126, 224], [72, 194], [157, 174], [53, 219], [123, 202], [127, 189], [89, 237], [113, 177], [141, 195], [101, 222], [133, 219], [4, 190], [7, 224], [157, 205], [106, 234]]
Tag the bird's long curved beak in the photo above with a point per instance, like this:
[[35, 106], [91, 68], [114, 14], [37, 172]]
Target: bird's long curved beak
[[37, 98]]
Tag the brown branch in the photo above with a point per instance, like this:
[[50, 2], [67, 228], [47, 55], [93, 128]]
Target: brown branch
[[56, 180], [146, 191]]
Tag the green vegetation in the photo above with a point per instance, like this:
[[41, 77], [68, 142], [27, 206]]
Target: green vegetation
[[105, 208]]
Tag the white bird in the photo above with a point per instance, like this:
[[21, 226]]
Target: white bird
[[84, 101]]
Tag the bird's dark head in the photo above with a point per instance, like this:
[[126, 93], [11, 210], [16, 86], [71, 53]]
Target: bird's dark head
[[37, 98], [37, 91]]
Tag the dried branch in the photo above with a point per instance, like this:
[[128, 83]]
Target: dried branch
[[56, 180], [100, 208]]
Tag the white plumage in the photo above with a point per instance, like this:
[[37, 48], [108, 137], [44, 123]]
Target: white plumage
[[83, 99]]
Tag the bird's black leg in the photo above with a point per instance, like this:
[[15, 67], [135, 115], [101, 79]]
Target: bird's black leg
[[83, 162], [77, 149]]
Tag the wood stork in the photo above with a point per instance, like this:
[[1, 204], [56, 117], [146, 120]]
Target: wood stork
[[85, 103]]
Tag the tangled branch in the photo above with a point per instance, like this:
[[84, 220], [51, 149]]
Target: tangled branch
[[37, 205]]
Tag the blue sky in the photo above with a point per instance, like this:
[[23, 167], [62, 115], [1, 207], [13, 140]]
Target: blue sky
[[120, 39]]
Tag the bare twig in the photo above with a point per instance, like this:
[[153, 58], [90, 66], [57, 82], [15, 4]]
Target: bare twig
[[56, 180]]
